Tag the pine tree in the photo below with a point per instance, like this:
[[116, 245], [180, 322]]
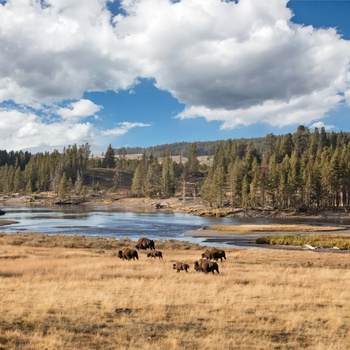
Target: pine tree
[[18, 181], [153, 179], [109, 159], [137, 182], [168, 177], [79, 183], [193, 162], [63, 187]]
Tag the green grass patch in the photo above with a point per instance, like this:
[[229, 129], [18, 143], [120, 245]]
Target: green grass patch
[[326, 241], [276, 228]]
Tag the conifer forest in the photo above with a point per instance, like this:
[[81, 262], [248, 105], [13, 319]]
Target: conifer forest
[[301, 170]]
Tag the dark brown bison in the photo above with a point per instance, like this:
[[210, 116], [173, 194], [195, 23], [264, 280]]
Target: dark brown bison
[[145, 243], [128, 254], [214, 254], [181, 266], [206, 266], [155, 254]]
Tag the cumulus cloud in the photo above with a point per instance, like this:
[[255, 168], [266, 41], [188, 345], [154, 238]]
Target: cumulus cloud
[[123, 128], [235, 62], [57, 49], [320, 125], [82, 108], [239, 63], [21, 129]]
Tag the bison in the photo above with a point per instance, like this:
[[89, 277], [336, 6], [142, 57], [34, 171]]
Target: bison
[[214, 254], [145, 243], [128, 254], [155, 254], [181, 266], [198, 264], [206, 266]]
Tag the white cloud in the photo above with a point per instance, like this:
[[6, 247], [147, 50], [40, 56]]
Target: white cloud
[[22, 130], [124, 128], [82, 108], [320, 125], [60, 51], [238, 63]]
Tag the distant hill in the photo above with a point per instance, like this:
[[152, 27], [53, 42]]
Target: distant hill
[[204, 148]]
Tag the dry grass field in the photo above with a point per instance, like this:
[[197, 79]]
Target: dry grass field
[[58, 295]]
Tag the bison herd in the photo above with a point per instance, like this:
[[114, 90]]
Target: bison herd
[[208, 262]]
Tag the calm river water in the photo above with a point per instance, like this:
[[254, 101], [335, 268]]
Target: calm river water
[[121, 222]]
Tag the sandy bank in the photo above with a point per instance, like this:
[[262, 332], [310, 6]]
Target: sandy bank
[[7, 222]]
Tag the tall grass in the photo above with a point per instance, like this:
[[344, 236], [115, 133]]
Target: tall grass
[[326, 241], [276, 228], [86, 298]]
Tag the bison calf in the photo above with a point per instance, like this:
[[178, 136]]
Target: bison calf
[[181, 266], [128, 254], [155, 254]]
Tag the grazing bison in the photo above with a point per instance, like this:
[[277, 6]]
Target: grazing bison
[[214, 254], [128, 254], [206, 254], [181, 266], [145, 243], [207, 266], [198, 264], [155, 254]]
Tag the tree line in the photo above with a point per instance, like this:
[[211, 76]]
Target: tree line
[[300, 170], [304, 169]]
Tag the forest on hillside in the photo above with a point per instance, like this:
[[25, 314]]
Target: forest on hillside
[[299, 170]]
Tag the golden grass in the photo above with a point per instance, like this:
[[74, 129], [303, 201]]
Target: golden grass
[[276, 228], [86, 298]]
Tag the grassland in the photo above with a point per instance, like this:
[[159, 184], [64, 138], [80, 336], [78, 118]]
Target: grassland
[[74, 293]]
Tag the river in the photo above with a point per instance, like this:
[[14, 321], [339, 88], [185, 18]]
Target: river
[[121, 222]]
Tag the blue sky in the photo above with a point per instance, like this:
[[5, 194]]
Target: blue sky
[[150, 72]]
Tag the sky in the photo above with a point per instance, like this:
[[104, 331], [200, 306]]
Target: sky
[[140, 73]]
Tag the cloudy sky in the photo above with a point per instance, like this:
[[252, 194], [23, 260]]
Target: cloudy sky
[[149, 72]]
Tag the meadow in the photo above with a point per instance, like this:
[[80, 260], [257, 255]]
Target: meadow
[[74, 293]]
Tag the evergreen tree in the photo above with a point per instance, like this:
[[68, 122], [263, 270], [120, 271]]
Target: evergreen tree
[[254, 194], [168, 177], [79, 183], [63, 187], [137, 182], [109, 159], [18, 181], [193, 162], [153, 179]]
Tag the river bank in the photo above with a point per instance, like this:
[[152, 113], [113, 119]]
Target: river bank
[[190, 205], [241, 236]]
